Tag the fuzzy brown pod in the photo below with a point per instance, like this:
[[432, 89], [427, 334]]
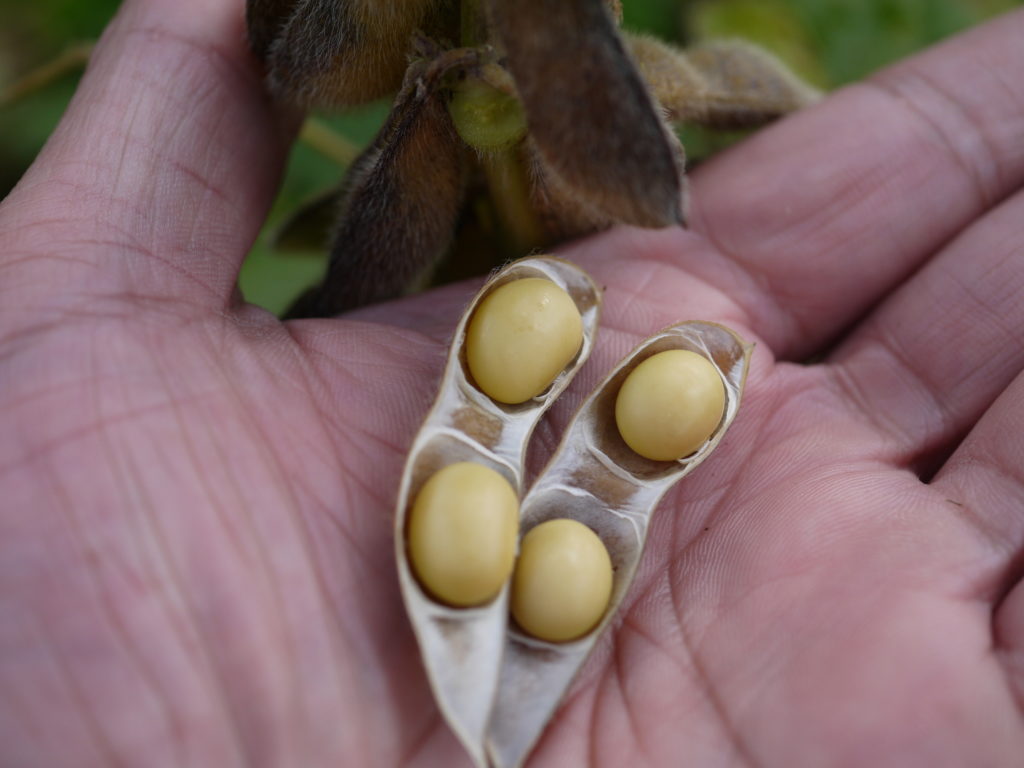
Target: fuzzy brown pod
[[400, 203], [461, 647], [596, 479], [565, 118], [336, 52], [724, 84], [638, 177]]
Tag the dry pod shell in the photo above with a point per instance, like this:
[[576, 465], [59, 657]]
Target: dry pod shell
[[335, 52], [597, 480], [461, 647], [413, 171], [638, 177], [723, 84]]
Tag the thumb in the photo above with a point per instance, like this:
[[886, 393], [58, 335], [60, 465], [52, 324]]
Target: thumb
[[160, 173]]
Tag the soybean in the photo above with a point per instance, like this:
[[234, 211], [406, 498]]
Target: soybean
[[462, 534], [670, 404], [522, 335], [562, 582]]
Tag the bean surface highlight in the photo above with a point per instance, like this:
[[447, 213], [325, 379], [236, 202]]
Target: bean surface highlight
[[670, 404], [462, 534], [521, 336], [562, 582]]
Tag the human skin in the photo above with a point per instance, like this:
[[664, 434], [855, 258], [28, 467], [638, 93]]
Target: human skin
[[196, 558]]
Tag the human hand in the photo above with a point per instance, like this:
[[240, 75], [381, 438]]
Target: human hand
[[196, 559]]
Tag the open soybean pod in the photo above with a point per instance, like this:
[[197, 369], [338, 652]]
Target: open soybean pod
[[461, 647], [595, 479]]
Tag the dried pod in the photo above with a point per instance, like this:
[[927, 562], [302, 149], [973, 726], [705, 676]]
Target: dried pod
[[461, 647], [562, 214], [336, 52], [673, 81], [725, 85], [615, 7], [401, 201], [630, 170], [265, 19], [596, 479], [747, 86]]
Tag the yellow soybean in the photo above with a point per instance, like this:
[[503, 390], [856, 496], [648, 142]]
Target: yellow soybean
[[562, 582], [462, 533], [520, 338], [670, 404]]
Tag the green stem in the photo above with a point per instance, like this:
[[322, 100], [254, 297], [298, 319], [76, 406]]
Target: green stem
[[332, 145], [474, 25], [72, 59], [509, 185]]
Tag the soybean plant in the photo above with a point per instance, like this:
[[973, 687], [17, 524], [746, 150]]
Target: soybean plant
[[517, 124]]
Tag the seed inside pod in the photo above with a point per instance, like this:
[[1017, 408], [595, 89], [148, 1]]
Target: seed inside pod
[[462, 534], [670, 404], [521, 336], [562, 582]]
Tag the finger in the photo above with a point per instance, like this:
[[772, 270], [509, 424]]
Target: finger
[[927, 363], [831, 208], [1009, 632], [158, 177], [983, 481]]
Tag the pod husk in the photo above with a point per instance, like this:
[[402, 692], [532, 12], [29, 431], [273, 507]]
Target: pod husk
[[725, 84], [595, 478], [571, 71], [461, 647]]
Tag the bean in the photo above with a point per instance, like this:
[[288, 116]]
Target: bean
[[521, 337], [462, 534], [562, 582], [670, 404]]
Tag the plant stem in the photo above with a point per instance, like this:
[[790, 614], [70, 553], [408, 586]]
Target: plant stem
[[509, 186], [73, 58], [507, 178], [328, 142], [474, 24]]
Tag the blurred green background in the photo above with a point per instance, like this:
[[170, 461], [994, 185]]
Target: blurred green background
[[829, 42]]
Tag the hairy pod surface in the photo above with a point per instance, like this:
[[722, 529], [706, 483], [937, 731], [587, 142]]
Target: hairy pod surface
[[337, 52], [461, 647], [265, 19], [401, 202], [566, 118], [725, 85], [596, 479], [596, 107]]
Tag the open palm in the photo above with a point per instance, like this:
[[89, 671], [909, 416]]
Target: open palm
[[196, 562]]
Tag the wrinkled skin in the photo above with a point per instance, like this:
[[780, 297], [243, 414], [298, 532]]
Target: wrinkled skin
[[196, 563]]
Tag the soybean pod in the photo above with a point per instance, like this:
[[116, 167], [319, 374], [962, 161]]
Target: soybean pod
[[596, 479], [469, 456]]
